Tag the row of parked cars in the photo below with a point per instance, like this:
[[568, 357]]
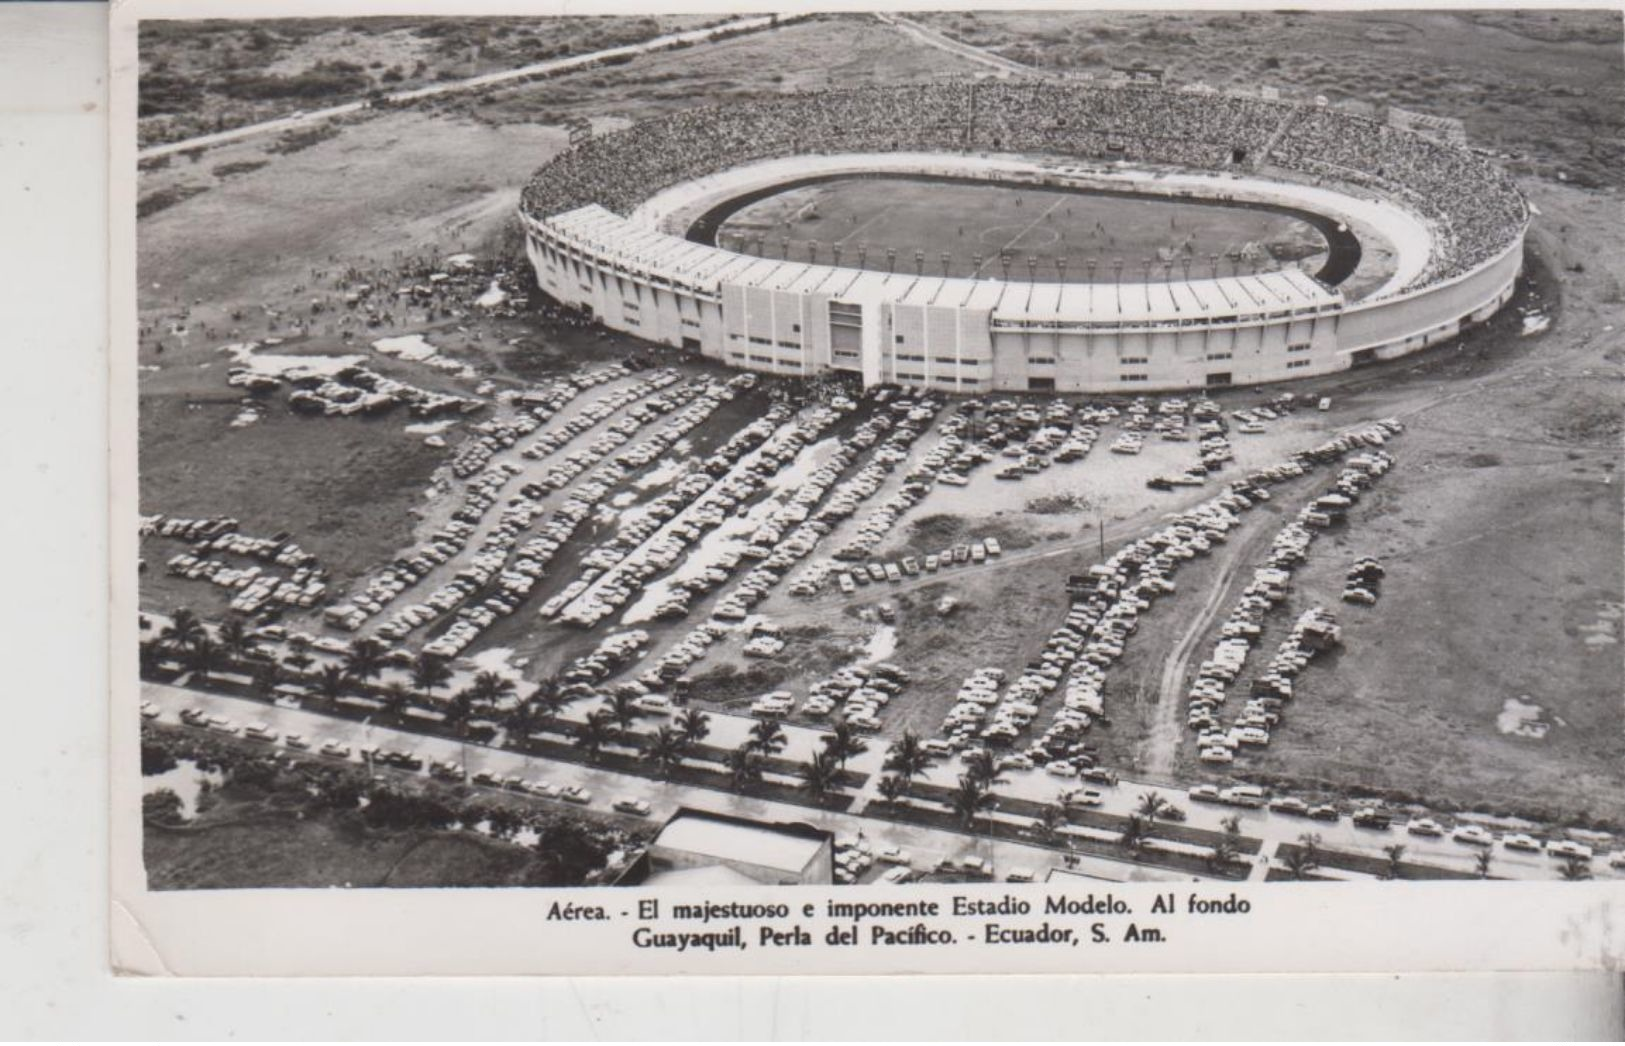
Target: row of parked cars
[[253, 587], [1315, 630], [533, 407], [642, 552]]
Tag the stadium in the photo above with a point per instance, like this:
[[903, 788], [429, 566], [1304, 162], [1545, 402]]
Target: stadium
[[1420, 238]]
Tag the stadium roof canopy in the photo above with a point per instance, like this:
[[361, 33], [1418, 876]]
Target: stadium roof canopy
[[645, 251]]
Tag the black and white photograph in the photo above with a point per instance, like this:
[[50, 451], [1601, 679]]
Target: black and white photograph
[[1042, 451]]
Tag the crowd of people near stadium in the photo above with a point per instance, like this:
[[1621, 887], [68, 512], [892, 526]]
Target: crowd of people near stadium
[[1475, 206]]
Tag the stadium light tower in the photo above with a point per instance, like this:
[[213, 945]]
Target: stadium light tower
[[976, 265], [1032, 269], [784, 247], [947, 260], [1213, 263], [1004, 263], [863, 255], [835, 249], [891, 259], [919, 262], [812, 250], [1060, 266]]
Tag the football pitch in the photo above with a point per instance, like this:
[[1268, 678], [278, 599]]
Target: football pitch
[[966, 228]]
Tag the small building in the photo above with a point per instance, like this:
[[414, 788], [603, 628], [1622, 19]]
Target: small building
[[700, 847]]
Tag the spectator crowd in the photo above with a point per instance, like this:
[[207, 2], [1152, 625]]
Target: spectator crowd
[[1475, 207]]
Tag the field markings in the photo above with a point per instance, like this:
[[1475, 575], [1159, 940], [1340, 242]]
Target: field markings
[[1017, 237], [883, 212]]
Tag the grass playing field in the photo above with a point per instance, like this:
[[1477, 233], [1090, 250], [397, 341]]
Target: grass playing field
[[973, 225]]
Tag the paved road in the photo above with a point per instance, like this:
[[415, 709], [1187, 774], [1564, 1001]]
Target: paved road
[[943, 42], [473, 83], [927, 845]]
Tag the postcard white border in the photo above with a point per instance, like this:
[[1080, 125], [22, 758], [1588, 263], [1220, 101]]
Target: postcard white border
[[1345, 927]]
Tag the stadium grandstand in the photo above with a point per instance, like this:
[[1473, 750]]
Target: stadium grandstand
[[594, 245]]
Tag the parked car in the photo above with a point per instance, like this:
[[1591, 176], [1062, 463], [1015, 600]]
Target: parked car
[[1521, 841], [575, 794], [636, 807], [1473, 835]]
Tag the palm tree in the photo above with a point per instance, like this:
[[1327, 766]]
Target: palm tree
[[183, 630], [969, 799], [1299, 862], [1310, 841], [298, 653], [1574, 869], [149, 654], [596, 732], [622, 708], [266, 677], [694, 725], [767, 736], [1048, 822], [460, 709], [818, 773], [397, 696], [204, 657], [1224, 851], [666, 750], [744, 766], [490, 688], [1482, 863], [843, 742], [236, 640], [331, 681], [892, 787], [1134, 833], [365, 660], [1152, 805], [1396, 854], [430, 673], [907, 757], [978, 764]]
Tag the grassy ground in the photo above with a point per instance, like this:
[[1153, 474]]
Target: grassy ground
[[204, 76], [239, 844], [908, 215], [1544, 85]]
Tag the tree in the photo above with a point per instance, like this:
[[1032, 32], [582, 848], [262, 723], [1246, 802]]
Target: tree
[[184, 629], [430, 673], [1223, 852], [622, 708], [744, 766], [397, 696], [548, 698], [596, 732], [331, 682], [978, 764], [694, 724], [460, 709], [1396, 855], [299, 653], [1298, 862], [266, 676], [666, 749], [503, 823], [365, 660], [1048, 822], [1133, 836], [1310, 841], [818, 773], [204, 657], [892, 787], [149, 654], [162, 807], [1152, 805], [1481, 863], [907, 757], [1574, 868], [843, 742], [767, 736], [969, 799], [490, 688], [236, 640]]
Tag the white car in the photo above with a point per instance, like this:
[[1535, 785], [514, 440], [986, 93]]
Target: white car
[[1216, 755], [336, 749], [893, 855], [1425, 826], [636, 807], [1060, 768], [149, 710], [1473, 835], [1520, 841], [1568, 848]]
